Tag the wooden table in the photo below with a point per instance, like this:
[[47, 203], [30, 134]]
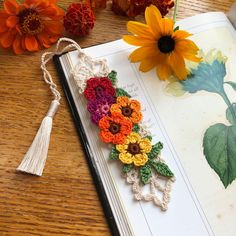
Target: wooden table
[[64, 200]]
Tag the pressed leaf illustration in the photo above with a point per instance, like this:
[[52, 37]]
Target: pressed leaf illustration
[[219, 142]]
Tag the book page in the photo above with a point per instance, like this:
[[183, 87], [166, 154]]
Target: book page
[[199, 203]]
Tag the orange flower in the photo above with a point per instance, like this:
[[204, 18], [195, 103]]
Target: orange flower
[[161, 45], [114, 129], [31, 26], [128, 108]]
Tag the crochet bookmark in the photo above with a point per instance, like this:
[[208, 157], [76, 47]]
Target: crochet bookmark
[[119, 118]]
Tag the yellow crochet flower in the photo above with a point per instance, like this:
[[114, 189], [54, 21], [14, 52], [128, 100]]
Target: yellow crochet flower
[[134, 150]]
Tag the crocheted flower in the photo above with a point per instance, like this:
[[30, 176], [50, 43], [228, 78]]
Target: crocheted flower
[[114, 129], [134, 150], [79, 19], [30, 26], [128, 108], [97, 87], [100, 107]]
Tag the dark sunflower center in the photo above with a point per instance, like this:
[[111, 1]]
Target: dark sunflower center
[[166, 44], [99, 90], [30, 21], [127, 111], [114, 128], [134, 148]]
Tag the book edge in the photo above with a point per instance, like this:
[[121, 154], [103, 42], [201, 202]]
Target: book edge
[[85, 144]]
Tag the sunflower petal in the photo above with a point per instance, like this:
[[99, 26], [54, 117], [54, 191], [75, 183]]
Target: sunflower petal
[[191, 57], [139, 29], [181, 34], [142, 53], [186, 45], [167, 27], [10, 6], [147, 64], [163, 71], [31, 43], [178, 65], [138, 41], [188, 49], [154, 20]]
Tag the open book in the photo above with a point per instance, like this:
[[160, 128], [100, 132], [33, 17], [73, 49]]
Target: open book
[[199, 204]]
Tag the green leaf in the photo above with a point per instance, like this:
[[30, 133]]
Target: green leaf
[[176, 28], [145, 174], [113, 77], [232, 84], [127, 168], [149, 137], [207, 76], [135, 128], [156, 149], [162, 169], [229, 115], [114, 154], [220, 150], [122, 92]]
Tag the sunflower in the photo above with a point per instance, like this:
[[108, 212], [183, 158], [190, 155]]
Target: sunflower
[[161, 45], [134, 150], [31, 26]]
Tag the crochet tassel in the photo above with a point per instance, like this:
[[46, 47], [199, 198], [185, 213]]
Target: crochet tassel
[[35, 158]]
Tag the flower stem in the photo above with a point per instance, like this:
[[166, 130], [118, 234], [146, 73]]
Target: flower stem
[[176, 10], [227, 101]]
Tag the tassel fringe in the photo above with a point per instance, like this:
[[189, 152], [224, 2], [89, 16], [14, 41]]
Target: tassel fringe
[[35, 158]]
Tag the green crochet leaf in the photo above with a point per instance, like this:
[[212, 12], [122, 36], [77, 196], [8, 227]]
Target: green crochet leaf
[[135, 128], [149, 137], [122, 92], [162, 169], [156, 149], [114, 154], [127, 168], [113, 77], [145, 174]]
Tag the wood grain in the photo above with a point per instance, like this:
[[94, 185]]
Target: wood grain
[[64, 200]]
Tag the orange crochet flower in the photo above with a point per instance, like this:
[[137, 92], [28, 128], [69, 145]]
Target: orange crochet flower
[[114, 129], [128, 108], [31, 26]]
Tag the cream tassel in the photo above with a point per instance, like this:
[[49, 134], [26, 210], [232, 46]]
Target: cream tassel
[[35, 158]]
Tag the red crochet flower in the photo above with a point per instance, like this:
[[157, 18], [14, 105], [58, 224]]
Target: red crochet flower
[[79, 19], [97, 87]]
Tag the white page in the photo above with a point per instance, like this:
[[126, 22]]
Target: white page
[[185, 215]]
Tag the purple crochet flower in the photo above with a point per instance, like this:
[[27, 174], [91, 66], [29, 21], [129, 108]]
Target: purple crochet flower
[[100, 107]]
